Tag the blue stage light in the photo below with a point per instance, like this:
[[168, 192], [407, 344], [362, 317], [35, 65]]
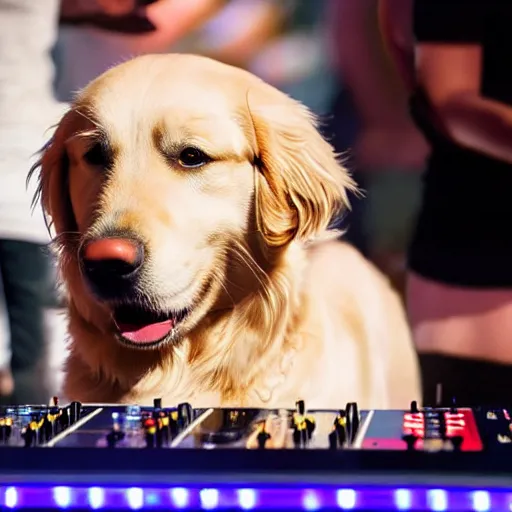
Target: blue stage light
[[253, 498]]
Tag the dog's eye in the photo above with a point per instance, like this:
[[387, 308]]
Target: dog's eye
[[99, 155], [193, 157]]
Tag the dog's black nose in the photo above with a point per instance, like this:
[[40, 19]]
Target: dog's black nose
[[110, 264]]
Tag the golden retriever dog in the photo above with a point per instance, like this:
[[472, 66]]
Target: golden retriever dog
[[190, 202]]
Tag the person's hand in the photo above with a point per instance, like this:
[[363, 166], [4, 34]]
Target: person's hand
[[117, 7], [6, 382], [390, 147], [71, 8]]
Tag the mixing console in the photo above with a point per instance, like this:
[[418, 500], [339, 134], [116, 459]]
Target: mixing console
[[93, 456]]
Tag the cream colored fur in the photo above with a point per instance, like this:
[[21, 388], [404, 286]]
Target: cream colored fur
[[289, 312]]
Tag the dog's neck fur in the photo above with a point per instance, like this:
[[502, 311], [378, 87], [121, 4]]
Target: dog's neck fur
[[242, 354]]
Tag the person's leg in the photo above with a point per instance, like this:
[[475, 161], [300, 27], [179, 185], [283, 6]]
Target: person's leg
[[393, 199], [463, 337], [6, 380], [28, 291], [340, 127]]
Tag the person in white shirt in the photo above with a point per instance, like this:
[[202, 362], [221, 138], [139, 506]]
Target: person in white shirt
[[27, 109]]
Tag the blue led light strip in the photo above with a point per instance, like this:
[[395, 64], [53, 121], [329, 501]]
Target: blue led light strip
[[255, 498]]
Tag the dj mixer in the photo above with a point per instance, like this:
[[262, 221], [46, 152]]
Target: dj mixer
[[103, 457]]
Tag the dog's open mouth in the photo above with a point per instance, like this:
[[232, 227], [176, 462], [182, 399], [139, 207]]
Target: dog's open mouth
[[143, 326]]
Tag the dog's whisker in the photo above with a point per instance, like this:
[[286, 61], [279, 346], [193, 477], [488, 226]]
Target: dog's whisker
[[220, 280], [266, 283], [246, 258], [89, 118]]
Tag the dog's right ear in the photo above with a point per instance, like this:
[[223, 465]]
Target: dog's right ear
[[53, 186]]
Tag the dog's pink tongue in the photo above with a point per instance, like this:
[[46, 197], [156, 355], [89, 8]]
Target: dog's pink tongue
[[146, 333]]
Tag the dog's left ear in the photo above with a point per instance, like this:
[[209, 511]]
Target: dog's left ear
[[301, 184], [52, 172]]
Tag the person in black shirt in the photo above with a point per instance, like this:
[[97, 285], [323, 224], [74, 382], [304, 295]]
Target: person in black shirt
[[455, 56]]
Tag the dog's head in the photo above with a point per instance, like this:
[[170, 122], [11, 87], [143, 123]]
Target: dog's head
[[168, 179]]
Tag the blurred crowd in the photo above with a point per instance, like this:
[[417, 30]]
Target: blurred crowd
[[329, 54]]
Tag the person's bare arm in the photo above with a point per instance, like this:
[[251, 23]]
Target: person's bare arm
[[175, 19], [365, 65], [450, 75], [396, 18], [257, 23], [388, 137], [172, 18], [71, 8]]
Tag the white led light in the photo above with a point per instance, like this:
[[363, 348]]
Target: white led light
[[209, 498], [11, 497], [62, 496], [346, 498], [403, 499], [311, 501], [179, 497], [437, 500], [96, 497], [247, 498], [481, 501], [135, 498]]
